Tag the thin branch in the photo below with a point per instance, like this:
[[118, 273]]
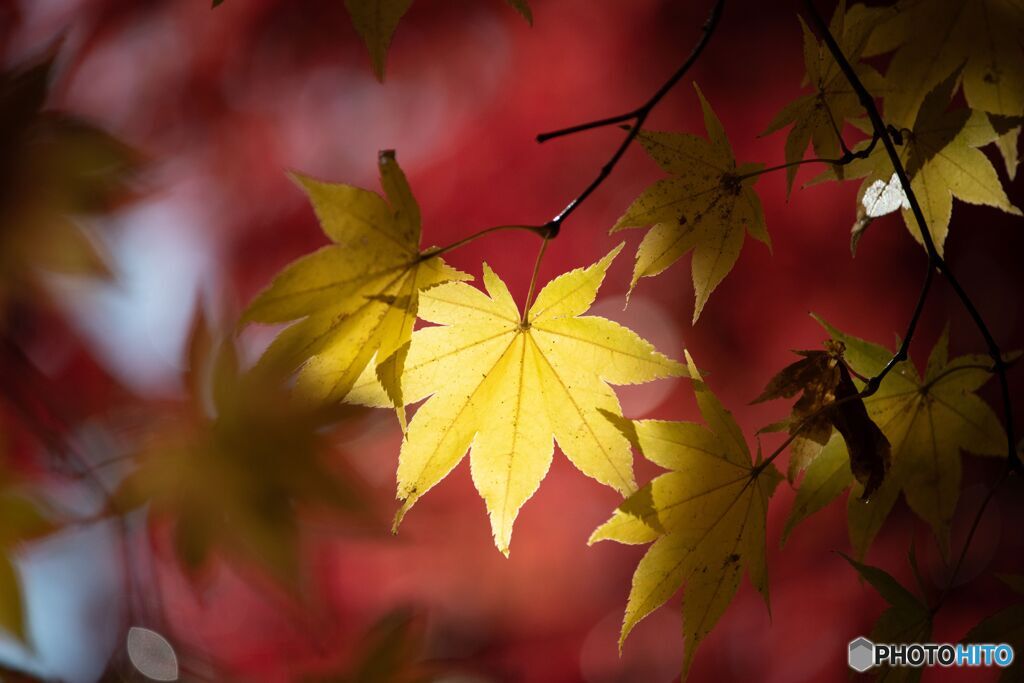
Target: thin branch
[[431, 253], [847, 158], [934, 259], [638, 116], [902, 353]]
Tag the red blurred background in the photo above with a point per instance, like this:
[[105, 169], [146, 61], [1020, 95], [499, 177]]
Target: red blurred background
[[222, 102]]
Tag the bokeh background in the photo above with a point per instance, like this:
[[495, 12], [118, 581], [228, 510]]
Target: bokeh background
[[223, 102]]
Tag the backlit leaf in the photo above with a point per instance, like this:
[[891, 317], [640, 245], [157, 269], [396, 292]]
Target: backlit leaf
[[819, 117], [708, 205], [505, 384], [357, 297], [706, 517], [928, 420]]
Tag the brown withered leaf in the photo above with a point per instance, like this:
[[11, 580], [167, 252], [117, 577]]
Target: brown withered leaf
[[829, 400]]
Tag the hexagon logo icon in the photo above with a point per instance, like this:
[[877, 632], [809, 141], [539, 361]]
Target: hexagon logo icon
[[861, 655]]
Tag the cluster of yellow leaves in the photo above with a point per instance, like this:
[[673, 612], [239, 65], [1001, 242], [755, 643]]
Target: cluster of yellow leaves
[[358, 296], [705, 519], [942, 158], [505, 383], [937, 47], [237, 481], [708, 206], [928, 420], [52, 169]]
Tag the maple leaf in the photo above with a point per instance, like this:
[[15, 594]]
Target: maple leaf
[[907, 620], [52, 167], [376, 21], [1005, 626], [506, 383], [237, 481], [941, 156], [707, 205], [940, 36], [357, 297], [928, 420], [823, 380], [706, 517], [22, 521], [820, 116]]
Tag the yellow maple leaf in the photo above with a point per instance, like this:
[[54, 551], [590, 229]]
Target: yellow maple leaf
[[706, 517], [941, 156], [357, 297], [708, 205], [819, 117], [376, 21], [929, 420], [506, 383]]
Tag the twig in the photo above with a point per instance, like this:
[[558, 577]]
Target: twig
[[431, 253], [934, 259], [638, 116], [848, 157]]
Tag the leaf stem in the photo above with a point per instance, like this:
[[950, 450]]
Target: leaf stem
[[525, 318], [935, 260], [637, 116]]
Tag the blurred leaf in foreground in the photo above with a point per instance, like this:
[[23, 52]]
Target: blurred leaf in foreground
[[53, 169], [239, 480]]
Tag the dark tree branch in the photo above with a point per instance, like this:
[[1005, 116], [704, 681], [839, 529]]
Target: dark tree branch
[[934, 259], [637, 116]]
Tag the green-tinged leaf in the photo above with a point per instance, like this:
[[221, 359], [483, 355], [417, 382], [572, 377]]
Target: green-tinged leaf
[[826, 477], [908, 619], [928, 420], [706, 518], [707, 205]]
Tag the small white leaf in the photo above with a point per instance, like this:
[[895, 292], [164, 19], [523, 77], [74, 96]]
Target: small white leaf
[[152, 655], [881, 198]]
